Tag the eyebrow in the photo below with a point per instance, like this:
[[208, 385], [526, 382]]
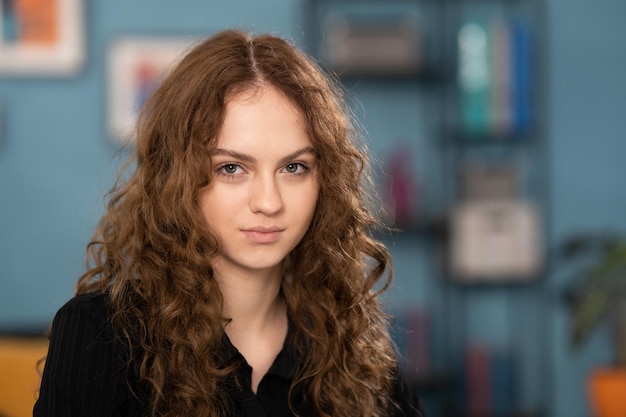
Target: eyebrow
[[248, 158]]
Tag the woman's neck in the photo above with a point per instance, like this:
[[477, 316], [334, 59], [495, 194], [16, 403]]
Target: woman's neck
[[251, 299], [258, 313]]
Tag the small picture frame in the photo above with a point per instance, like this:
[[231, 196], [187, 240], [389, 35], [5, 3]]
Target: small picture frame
[[41, 37], [496, 240], [136, 66]]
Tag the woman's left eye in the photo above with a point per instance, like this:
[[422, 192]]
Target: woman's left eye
[[295, 168]]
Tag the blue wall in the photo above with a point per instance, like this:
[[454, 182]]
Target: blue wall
[[57, 160], [588, 98], [56, 157]]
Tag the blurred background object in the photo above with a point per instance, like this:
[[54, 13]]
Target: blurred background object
[[19, 379], [597, 295], [42, 37], [496, 125]]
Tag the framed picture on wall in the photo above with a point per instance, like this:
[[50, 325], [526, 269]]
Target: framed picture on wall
[[136, 66], [41, 37]]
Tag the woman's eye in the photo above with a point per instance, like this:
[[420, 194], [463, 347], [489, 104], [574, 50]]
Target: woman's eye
[[230, 169], [295, 168]]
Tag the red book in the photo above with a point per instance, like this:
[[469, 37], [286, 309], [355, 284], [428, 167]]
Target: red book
[[417, 341], [478, 381]]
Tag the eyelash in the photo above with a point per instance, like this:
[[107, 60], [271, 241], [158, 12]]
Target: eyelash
[[221, 169]]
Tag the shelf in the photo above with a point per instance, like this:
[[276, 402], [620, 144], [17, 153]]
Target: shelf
[[423, 77], [432, 382], [496, 285], [435, 228], [458, 137], [409, 2]]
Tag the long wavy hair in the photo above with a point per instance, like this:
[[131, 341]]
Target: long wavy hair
[[152, 250]]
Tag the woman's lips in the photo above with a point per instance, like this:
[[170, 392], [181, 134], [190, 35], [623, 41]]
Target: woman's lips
[[263, 235]]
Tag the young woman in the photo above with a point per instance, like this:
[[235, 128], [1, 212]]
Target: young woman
[[233, 273]]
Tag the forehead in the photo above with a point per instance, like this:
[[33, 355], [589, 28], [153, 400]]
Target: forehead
[[262, 115], [249, 94]]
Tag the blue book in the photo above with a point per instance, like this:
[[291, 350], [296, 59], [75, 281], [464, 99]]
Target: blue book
[[504, 377], [522, 76], [474, 76]]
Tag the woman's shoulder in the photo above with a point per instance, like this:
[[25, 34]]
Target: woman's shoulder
[[90, 307], [88, 315], [82, 335], [91, 301], [85, 370]]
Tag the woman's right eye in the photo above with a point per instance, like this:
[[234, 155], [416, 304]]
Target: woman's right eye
[[230, 169]]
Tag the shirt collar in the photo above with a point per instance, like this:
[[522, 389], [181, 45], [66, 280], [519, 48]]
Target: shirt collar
[[284, 365]]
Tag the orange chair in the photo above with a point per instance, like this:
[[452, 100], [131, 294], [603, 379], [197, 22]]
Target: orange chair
[[607, 389], [19, 375]]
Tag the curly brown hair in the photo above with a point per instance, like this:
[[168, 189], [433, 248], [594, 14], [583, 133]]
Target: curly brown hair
[[152, 249]]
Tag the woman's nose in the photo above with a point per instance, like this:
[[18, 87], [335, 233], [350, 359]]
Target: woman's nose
[[265, 195]]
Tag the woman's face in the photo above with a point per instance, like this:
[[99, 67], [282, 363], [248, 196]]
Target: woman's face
[[264, 188]]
